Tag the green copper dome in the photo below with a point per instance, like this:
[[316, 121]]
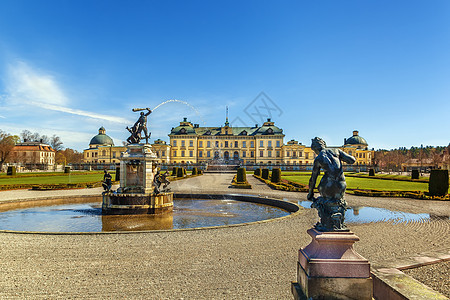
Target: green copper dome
[[101, 138], [355, 140]]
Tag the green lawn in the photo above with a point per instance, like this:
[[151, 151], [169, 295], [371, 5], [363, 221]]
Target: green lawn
[[54, 179], [370, 184]]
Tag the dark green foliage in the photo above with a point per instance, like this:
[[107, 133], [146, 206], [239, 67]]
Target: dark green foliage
[[438, 184], [257, 172], [180, 172], [415, 174], [276, 175], [11, 170], [184, 171], [199, 171], [194, 171], [117, 173], [174, 171], [371, 172], [265, 173], [66, 169], [241, 176]]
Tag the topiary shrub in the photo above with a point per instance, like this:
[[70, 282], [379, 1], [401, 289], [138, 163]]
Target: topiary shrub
[[241, 176], [194, 171], [66, 169], [11, 170], [415, 174], [438, 184], [276, 175], [184, 171], [265, 173], [180, 172], [257, 172], [174, 171], [371, 172], [117, 173]]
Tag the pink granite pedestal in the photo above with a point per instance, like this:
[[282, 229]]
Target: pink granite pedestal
[[329, 268]]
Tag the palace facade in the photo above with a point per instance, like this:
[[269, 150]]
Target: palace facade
[[33, 153], [258, 145]]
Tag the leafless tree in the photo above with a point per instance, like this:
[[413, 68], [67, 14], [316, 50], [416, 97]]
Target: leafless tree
[[56, 143], [7, 143]]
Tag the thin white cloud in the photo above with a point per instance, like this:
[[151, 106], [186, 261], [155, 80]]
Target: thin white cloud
[[24, 85]]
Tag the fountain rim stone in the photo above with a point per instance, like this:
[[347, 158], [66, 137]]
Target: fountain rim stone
[[293, 209]]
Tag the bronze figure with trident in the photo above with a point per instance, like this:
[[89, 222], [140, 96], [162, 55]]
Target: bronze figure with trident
[[139, 126]]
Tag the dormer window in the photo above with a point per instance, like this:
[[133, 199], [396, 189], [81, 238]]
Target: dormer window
[[208, 132], [269, 131], [183, 130], [244, 132]]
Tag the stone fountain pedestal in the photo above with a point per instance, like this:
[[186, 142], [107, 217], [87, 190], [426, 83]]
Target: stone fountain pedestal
[[136, 193], [329, 268]]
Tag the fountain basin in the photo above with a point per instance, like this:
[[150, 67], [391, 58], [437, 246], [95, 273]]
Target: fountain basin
[[84, 214]]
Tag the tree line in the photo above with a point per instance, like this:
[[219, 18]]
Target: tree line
[[429, 156], [62, 155]]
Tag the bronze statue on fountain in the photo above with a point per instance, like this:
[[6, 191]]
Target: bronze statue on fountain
[[139, 126]]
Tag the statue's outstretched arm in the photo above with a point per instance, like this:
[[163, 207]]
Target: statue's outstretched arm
[[346, 157], [313, 179], [148, 112]]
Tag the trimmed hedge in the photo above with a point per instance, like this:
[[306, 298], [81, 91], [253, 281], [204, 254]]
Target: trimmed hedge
[[372, 172], [180, 172], [257, 172], [276, 175], [398, 194], [117, 173], [240, 185], [66, 170], [438, 183], [11, 171], [265, 174], [241, 176], [415, 174], [284, 185], [174, 171], [64, 186], [194, 171]]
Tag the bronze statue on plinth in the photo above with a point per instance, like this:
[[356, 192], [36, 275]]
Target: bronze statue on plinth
[[331, 204]]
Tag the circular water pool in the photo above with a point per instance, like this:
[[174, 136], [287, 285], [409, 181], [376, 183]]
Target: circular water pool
[[87, 217]]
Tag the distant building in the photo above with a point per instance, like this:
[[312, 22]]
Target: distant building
[[102, 150], [33, 153]]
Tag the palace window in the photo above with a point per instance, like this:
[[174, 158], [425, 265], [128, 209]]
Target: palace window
[[269, 144], [174, 153], [200, 153], [294, 154], [288, 153], [87, 154], [307, 155], [182, 153], [208, 154], [200, 144], [191, 153], [236, 144], [217, 144], [252, 144], [208, 144], [183, 143], [163, 153], [300, 153], [278, 153], [226, 144], [243, 154], [261, 143], [174, 143], [269, 153], [278, 143], [114, 154], [191, 143], [252, 154], [261, 153], [244, 144]]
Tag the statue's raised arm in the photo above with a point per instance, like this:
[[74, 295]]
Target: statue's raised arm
[[140, 126]]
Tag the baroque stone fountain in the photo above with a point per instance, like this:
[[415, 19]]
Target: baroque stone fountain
[[139, 191]]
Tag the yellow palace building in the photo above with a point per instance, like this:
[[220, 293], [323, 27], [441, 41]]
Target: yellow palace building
[[258, 145]]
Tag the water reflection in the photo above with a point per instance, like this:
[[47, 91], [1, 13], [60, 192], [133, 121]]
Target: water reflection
[[87, 217], [361, 214]]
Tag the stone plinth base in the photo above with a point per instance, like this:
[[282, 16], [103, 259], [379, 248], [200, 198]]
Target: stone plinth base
[[329, 268], [135, 203]]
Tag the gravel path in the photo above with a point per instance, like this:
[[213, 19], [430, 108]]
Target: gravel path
[[436, 276], [246, 262]]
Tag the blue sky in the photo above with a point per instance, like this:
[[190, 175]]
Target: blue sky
[[325, 67]]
